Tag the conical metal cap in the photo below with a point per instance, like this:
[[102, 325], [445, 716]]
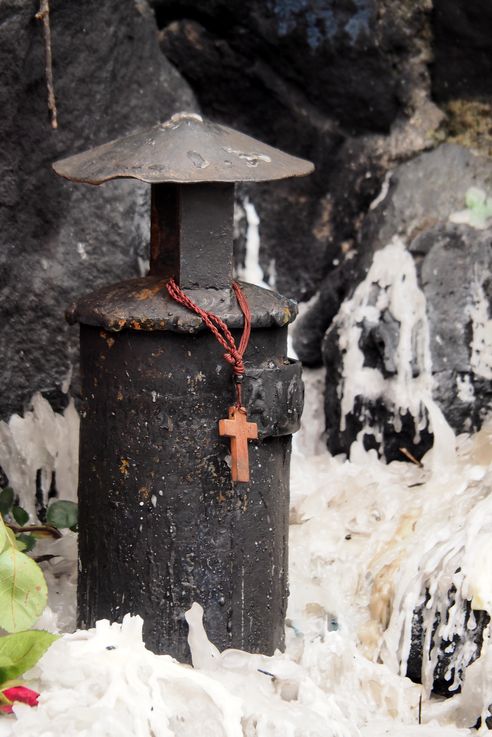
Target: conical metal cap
[[184, 149]]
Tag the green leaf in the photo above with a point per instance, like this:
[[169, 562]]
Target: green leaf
[[474, 197], [3, 534], [6, 500], [62, 514], [23, 590], [28, 540], [20, 652], [20, 515], [10, 536]]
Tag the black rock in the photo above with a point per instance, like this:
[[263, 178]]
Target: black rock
[[453, 262], [376, 421], [462, 64], [310, 328], [59, 239], [466, 648], [344, 58], [322, 80]]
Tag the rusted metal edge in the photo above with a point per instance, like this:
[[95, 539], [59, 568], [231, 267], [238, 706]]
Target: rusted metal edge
[[185, 149], [144, 304]]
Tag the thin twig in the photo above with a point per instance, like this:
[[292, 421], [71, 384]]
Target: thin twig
[[410, 457], [44, 15], [45, 530]]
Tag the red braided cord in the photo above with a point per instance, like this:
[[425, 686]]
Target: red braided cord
[[234, 355]]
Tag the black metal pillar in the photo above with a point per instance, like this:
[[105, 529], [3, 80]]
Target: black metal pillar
[[177, 529], [161, 522], [185, 220]]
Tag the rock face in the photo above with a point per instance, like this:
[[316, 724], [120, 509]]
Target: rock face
[[457, 284], [324, 80], [462, 42], [451, 260], [60, 240]]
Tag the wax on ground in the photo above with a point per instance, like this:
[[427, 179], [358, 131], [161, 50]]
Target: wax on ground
[[365, 541]]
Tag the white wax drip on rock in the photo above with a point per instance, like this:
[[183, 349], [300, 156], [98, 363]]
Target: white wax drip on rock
[[391, 285]]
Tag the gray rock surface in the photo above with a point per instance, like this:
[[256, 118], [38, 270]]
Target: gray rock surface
[[456, 280], [454, 263], [58, 239], [423, 192]]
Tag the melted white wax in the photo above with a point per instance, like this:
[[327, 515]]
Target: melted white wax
[[350, 606], [367, 540], [391, 285], [41, 440], [251, 271]]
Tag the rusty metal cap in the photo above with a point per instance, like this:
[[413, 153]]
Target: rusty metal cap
[[185, 149]]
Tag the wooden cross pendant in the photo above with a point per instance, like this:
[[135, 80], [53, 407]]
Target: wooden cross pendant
[[239, 430]]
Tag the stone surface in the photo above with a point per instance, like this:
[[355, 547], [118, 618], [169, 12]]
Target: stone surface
[[60, 240], [445, 667], [456, 280], [453, 261], [463, 44], [323, 80], [423, 192]]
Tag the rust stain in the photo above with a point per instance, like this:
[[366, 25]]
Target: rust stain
[[116, 325], [148, 292], [109, 340], [124, 466], [143, 493], [119, 396], [136, 325], [287, 315]]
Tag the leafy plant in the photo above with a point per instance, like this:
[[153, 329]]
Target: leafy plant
[[61, 515], [23, 590], [21, 651], [23, 593], [478, 212]]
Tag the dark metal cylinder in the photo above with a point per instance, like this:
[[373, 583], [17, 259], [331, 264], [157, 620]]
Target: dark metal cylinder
[[161, 523]]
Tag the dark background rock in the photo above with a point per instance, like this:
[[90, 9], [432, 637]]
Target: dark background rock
[[324, 80], [462, 66], [60, 240]]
